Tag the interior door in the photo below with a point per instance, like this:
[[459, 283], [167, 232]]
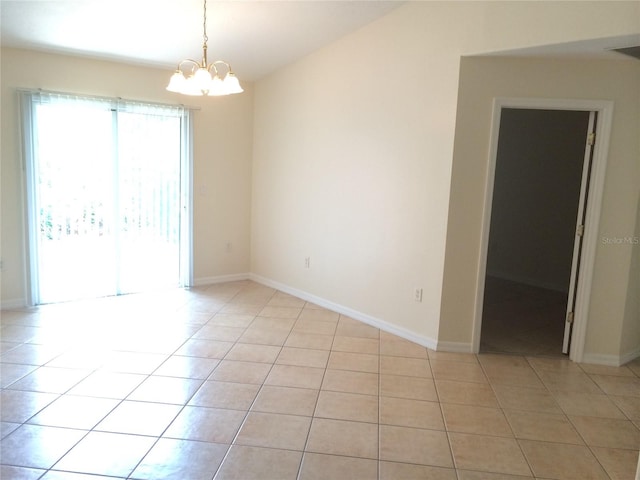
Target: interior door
[[580, 225]]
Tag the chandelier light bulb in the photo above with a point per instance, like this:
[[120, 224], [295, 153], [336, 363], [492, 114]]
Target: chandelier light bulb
[[202, 80], [217, 87], [177, 82], [232, 83]]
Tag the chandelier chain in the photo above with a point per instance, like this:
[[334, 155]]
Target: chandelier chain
[[204, 24]]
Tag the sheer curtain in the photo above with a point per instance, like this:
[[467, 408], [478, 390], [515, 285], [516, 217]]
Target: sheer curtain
[[108, 196]]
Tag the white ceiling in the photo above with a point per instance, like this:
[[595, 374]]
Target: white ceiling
[[597, 48], [256, 37]]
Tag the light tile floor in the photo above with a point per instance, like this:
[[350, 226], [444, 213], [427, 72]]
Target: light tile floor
[[240, 381]]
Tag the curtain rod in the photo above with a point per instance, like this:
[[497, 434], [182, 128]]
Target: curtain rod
[[109, 99]]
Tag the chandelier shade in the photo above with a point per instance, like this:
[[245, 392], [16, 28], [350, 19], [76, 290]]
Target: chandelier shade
[[203, 78]]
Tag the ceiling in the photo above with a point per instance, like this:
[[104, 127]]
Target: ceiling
[[256, 37], [597, 48]]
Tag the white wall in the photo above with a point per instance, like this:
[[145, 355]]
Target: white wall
[[613, 332], [630, 335], [353, 149], [222, 158]]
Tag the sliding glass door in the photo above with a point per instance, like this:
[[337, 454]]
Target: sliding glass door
[[108, 190]]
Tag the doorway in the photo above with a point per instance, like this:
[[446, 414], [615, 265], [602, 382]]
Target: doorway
[[108, 196], [542, 170]]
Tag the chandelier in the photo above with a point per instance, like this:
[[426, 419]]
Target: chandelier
[[213, 79]]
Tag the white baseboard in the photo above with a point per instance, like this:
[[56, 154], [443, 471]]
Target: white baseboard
[[430, 343], [198, 282], [455, 347], [630, 356], [349, 312], [13, 304], [610, 360]]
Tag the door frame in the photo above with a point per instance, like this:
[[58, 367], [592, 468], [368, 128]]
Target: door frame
[[604, 109]]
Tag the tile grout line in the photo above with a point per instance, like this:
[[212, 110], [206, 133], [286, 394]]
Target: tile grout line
[[259, 389], [315, 407], [226, 455], [379, 462], [444, 422]]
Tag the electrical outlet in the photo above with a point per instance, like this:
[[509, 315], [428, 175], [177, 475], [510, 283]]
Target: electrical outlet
[[417, 294], [307, 262]]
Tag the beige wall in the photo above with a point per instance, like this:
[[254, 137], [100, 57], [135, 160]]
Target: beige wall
[[631, 325], [353, 149], [613, 311], [222, 157]]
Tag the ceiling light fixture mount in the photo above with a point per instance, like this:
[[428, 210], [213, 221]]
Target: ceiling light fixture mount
[[204, 78]]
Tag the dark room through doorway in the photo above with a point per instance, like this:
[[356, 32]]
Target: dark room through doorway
[[539, 194]]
